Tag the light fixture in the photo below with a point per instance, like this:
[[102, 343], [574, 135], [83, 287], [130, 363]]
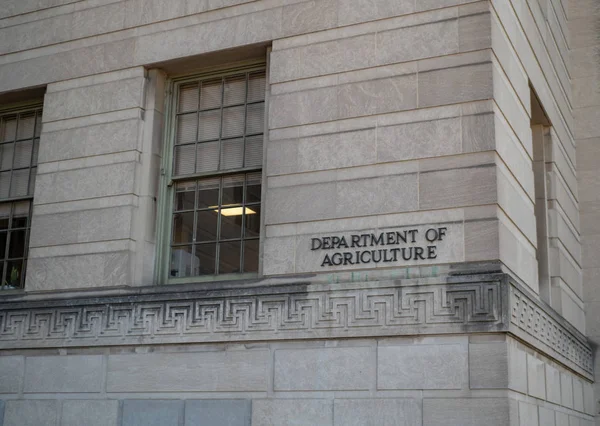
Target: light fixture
[[235, 211]]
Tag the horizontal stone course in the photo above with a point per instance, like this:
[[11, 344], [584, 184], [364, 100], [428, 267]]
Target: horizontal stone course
[[324, 369], [95, 413], [422, 367], [292, 412], [478, 238], [379, 195], [152, 413], [258, 27], [87, 270], [117, 179], [98, 139], [233, 371], [30, 413], [458, 187], [454, 85], [377, 412], [310, 16], [488, 365], [235, 412], [417, 42], [81, 227], [100, 98], [465, 412], [419, 140], [73, 373], [354, 11], [11, 374]]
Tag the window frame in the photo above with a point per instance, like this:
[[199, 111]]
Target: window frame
[[167, 181], [18, 108]]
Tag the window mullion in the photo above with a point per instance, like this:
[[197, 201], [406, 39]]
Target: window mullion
[[221, 123], [219, 219], [195, 227], [14, 153], [197, 128], [245, 121]]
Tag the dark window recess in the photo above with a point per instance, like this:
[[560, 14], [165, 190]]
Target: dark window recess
[[19, 142], [216, 225], [14, 235]]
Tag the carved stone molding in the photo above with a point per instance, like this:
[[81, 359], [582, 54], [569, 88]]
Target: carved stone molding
[[310, 311], [541, 326], [476, 303]]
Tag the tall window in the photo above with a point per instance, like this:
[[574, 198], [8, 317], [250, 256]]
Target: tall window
[[216, 174], [540, 131], [19, 141]]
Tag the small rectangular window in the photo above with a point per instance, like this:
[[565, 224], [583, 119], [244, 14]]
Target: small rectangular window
[[216, 173], [19, 142]]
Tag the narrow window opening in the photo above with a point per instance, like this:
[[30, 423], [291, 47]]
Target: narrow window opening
[[540, 129]]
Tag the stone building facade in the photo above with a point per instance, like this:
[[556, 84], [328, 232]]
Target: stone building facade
[[299, 212]]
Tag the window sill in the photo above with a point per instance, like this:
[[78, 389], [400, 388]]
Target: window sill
[[211, 278]]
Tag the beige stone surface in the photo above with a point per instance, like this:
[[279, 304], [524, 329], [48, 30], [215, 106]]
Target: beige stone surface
[[11, 374], [104, 98], [292, 412], [388, 109], [488, 365], [72, 271], [233, 371], [76, 373], [553, 389], [536, 378], [465, 412], [31, 413], [422, 367], [324, 369], [377, 412], [528, 414], [547, 417], [96, 413], [99, 139]]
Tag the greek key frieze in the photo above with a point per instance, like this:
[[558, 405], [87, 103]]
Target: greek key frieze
[[311, 314]]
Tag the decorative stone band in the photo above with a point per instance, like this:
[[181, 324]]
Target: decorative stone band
[[548, 332], [450, 304]]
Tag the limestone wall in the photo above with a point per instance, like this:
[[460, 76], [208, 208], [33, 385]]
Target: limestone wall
[[453, 380], [584, 20], [382, 115], [522, 31]]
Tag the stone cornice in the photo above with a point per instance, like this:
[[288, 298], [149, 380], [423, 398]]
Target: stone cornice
[[534, 322], [481, 303]]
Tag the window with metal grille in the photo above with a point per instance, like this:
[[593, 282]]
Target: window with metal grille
[[19, 141], [216, 174]]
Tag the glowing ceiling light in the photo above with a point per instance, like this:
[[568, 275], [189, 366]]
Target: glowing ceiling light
[[235, 211]]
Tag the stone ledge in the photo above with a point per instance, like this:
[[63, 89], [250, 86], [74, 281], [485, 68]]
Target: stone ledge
[[537, 324], [452, 304]]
